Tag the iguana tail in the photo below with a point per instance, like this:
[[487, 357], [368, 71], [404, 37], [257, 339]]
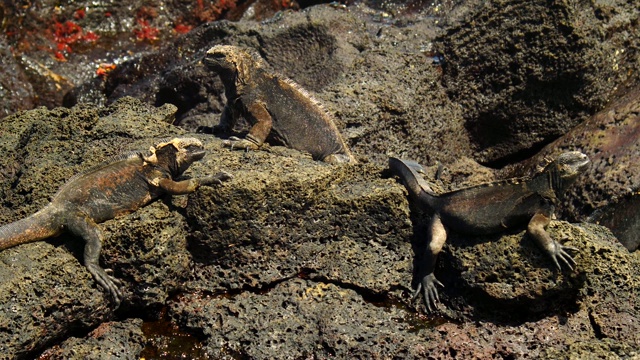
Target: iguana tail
[[38, 226], [416, 185]]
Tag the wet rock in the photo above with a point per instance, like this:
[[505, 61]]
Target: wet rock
[[61, 45], [16, 93], [110, 340], [608, 191]]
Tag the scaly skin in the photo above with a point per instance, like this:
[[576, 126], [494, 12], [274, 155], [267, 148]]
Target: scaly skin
[[275, 106], [102, 193], [489, 209]]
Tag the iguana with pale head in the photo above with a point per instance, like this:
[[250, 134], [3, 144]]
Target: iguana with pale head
[[118, 187], [275, 107], [491, 208]]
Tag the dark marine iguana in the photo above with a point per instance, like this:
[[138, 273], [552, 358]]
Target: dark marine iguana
[[274, 106], [118, 187], [491, 208]]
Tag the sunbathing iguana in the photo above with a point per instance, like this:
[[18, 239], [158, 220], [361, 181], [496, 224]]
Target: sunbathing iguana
[[274, 106], [491, 208], [104, 192]]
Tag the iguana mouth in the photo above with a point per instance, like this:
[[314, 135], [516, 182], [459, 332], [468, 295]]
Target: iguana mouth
[[198, 154], [582, 162]]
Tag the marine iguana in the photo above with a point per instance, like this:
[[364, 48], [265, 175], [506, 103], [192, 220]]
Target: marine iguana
[[118, 187], [274, 106], [490, 208]]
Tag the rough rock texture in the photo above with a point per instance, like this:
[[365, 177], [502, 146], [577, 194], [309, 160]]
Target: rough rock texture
[[45, 296], [320, 219], [47, 292], [111, 340], [376, 90], [609, 190], [332, 248], [527, 72], [327, 247], [302, 319]]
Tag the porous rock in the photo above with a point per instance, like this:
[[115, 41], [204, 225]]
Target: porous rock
[[121, 340], [283, 214], [46, 291], [608, 191], [527, 72], [301, 318], [329, 246]]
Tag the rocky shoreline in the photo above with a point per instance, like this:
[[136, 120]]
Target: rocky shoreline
[[295, 258]]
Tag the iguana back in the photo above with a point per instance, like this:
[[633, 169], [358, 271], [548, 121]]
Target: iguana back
[[118, 187], [299, 122], [274, 105]]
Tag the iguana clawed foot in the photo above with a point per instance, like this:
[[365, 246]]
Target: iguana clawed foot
[[428, 286], [216, 179], [107, 281], [242, 144], [558, 251]]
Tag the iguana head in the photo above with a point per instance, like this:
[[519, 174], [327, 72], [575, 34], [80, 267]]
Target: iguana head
[[177, 154], [231, 61], [568, 166]]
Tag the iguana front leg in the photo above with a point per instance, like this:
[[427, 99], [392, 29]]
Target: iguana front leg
[[261, 119], [225, 125], [428, 282], [537, 229], [80, 225], [188, 186]]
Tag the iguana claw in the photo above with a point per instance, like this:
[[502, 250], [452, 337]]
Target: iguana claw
[[559, 252], [428, 287], [237, 143], [218, 178], [108, 282]]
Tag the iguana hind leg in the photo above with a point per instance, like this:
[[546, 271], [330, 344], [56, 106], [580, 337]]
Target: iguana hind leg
[[81, 225], [537, 229]]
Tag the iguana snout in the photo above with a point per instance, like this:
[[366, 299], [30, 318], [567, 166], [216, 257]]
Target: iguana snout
[[221, 58], [570, 164], [185, 151]]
